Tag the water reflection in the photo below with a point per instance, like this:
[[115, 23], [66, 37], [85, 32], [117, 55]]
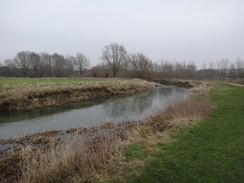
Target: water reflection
[[122, 107], [87, 113], [6, 117]]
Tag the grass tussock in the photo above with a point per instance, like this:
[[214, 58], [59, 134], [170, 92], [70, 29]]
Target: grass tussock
[[180, 114], [94, 154], [74, 159], [201, 88], [29, 96]]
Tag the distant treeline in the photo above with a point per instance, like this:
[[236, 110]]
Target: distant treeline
[[115, 62]]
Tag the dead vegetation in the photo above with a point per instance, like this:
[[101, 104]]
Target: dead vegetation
[[94, 154], [24, 97], [201, 88], [67, 156]]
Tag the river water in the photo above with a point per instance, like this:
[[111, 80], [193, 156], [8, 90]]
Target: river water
[[88, 113]]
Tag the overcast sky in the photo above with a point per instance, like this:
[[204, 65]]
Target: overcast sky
[[190, 30]]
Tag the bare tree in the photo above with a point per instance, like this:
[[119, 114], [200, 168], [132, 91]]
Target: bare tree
[[211, 70], [180, 69], [223, 67], [114, 55], [232, 71], [81, 62], [37, 65], [167, 69], [23, 61], [191, 70], [239, 67], [156, 69], [10, 63], [46, 60], [139, 66], [69, 67], [58, 65], [11, 70]]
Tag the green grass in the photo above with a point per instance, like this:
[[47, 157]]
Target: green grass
[[33, 81], [210, 151]]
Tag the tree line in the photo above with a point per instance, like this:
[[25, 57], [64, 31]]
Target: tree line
[[31, 64], [115, 62]]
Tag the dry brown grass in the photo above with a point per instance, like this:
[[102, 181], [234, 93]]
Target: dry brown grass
[[180, 114], [22, 97], [201, 88], [76, 154], [95, 154], [76, 158]]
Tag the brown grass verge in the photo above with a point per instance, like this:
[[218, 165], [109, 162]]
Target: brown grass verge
[[24, 97], [94, 154]]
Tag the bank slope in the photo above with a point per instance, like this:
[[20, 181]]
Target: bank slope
[[211, 151], [44, 94]]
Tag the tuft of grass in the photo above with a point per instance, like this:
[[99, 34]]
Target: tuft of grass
[[180, 114]]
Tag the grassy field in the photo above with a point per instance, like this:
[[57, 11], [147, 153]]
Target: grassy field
[[34, 81], [210, 151]]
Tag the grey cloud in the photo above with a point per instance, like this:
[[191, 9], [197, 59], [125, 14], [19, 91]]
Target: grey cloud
[[185, 30]]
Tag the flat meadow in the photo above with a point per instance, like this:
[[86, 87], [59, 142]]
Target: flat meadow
[[34, 81]]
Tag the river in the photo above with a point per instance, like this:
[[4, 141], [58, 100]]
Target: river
[[88, 113]]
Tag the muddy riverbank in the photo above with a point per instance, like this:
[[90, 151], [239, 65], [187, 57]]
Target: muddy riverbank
[[185, 84]]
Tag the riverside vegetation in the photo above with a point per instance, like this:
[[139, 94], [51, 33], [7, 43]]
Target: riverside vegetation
[[24, 94], [101, 153]]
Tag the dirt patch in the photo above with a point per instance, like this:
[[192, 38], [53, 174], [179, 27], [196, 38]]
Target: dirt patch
[[235, 84], [185, 84]]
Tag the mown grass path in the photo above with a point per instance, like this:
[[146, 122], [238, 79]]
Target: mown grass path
[[211, 151]]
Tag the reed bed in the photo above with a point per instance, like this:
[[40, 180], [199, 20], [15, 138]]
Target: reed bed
[[78, 154], [90, 154], [201, 88], [27, 96], [180, 114]]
